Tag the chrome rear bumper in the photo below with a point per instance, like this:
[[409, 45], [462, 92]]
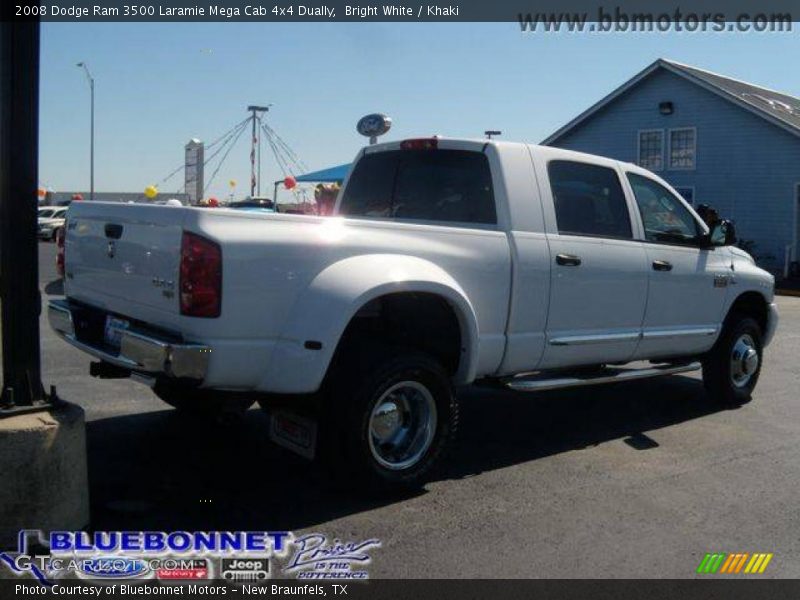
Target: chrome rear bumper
[[138, 352]]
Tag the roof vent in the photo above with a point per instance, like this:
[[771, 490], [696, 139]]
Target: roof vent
[[773, 103]]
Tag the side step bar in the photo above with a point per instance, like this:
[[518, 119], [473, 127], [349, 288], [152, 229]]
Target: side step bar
[[540, 382]]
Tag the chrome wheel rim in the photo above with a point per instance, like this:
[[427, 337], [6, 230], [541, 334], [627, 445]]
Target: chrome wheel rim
[[402, 425], [744, 360]]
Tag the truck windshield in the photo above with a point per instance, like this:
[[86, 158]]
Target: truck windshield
[[453, 186]]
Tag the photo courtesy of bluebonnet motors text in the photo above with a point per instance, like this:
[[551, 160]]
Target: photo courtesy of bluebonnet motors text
[[403, 300]]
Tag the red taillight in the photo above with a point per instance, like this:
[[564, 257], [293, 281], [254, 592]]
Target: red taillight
[[201, 277], [420, 144]]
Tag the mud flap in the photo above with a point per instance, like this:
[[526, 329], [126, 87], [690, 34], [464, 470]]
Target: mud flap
[[293, 432]]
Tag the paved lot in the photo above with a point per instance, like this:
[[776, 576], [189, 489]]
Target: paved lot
[[634, 480]]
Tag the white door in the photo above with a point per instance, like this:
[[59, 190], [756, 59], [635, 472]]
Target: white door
[[688, 282], [598, 282]]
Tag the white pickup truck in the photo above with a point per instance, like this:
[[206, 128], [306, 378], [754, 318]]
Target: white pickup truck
[[446, 262]]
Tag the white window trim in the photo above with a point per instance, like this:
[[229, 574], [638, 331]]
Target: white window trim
[[668, 161], [678, 189], [639, 148]]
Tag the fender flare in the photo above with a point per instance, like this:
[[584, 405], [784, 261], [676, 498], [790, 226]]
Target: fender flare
[[325, 308]]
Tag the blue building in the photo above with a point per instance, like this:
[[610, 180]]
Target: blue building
[[717, 140]]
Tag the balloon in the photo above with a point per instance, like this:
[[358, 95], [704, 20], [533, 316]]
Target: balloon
[[289, 182], [232, 183], [213, 202], [151, 191], [77, 197]]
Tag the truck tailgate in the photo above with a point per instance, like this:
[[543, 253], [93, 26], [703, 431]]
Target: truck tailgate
[[124, 252]]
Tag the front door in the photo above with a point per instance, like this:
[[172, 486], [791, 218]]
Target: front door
[[598, 282], [687, 283]]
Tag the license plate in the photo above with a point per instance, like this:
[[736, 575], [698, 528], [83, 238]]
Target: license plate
[[113, 331]]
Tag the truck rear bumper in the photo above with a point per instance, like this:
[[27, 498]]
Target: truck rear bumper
[[144, 353]]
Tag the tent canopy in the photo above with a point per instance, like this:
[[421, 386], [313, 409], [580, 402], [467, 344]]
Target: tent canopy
[[325, 175]]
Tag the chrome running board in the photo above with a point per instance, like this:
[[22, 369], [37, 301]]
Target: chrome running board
[[541, 381]]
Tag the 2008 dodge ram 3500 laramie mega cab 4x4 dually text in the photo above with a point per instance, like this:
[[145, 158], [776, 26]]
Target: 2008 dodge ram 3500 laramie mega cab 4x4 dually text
[[446, 262]]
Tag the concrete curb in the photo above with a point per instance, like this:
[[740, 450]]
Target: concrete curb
[[44, 477]]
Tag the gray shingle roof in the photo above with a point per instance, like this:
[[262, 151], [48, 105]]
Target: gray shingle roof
[[778, 108], [782, 107]]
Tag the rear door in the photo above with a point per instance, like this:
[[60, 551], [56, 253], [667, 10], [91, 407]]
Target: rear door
[[598, 283]]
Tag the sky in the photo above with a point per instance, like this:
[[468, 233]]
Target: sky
[[159, 85]]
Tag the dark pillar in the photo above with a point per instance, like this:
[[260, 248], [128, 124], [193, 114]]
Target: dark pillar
[[19, 267]]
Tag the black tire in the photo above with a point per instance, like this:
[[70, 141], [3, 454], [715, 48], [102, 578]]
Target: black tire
[[728, 378], [359, 381], [201, 403]]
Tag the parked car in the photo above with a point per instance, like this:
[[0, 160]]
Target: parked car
[[253, 205], [51, 219], [446, 262]]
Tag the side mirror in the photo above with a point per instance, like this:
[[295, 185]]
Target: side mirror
[[723, 233]]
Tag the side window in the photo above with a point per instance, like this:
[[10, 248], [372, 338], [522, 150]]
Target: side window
[[665, 218], [428, 185], [588, 200]]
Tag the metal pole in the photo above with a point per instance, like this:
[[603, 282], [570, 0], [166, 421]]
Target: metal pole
[[259, 162], [255, 110], [90, 79], [253, 156], [91, 145], [19, 264]]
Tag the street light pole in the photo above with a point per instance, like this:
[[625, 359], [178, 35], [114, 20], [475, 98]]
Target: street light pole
[[90, 79]]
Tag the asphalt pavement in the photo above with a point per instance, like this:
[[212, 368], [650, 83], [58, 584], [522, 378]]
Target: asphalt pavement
[[626, 481]]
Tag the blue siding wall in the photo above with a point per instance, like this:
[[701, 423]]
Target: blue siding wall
[[746, 167]]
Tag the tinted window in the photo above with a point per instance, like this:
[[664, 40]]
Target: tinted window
[[665, 217], [430, 185], [588, 200]]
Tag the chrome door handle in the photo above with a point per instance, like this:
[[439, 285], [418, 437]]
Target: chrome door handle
[[568, 260], [662, 265]]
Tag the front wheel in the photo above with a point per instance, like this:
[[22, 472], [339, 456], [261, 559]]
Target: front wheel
[[395, 415], [732, 367]]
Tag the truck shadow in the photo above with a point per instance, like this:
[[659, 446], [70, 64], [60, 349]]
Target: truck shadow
[[157, 471]]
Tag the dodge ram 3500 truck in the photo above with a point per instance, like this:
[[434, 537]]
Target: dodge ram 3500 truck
[[446, 262]]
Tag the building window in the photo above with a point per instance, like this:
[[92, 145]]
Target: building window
[[687, 193], [682, 148], [651, 149]]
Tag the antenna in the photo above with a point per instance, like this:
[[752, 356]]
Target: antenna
[[491, 132]]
